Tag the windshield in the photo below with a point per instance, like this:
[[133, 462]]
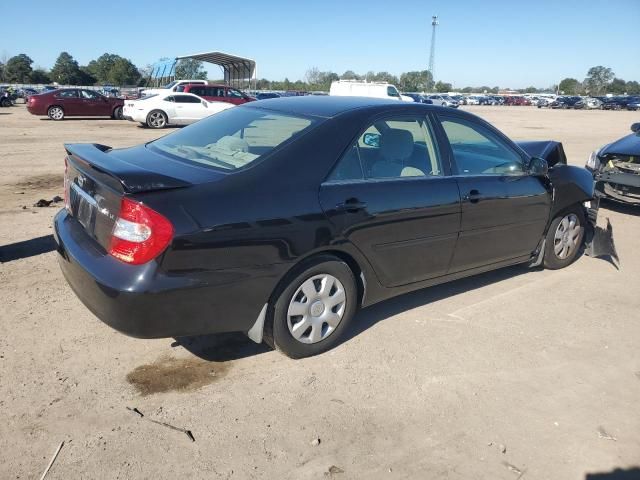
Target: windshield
[[232, 139]]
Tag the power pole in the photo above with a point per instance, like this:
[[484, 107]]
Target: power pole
[[432, 56]]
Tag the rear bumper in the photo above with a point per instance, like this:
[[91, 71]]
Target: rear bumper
[[35, 110], [145, 302]]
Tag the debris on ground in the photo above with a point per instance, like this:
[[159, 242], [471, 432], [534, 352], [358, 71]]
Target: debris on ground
[[45, 203], [603, 434], [514, 469], [315, 442], [503, 448], [136, 411], [157, 422], [53, 459], [333, 470]]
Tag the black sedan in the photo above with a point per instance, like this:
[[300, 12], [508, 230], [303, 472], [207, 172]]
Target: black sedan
[[281, 218], [566, 102], [616, 168]]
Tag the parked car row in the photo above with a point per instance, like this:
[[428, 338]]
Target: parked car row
[[180, 103], [592, 103]]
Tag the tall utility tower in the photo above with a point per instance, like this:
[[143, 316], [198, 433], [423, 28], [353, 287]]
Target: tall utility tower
[[432, 56]]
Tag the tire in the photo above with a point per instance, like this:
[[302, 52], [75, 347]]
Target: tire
[[55, 113], [564, 242], [117, 114], [300, 326], [5, 102], [157, 119]]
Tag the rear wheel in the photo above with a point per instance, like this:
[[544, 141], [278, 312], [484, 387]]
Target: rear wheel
[[117, 114], [311, 312], [156, 119], [564, 239], [5, 102], [55, 113]]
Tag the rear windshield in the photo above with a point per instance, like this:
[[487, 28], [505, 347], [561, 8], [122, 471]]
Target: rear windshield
[[233, 138]]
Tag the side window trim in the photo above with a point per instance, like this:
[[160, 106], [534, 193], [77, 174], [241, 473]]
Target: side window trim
[[440, 117], [433, 126]]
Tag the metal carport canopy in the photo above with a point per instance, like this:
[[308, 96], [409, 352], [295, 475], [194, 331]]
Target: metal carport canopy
[[236, 69]]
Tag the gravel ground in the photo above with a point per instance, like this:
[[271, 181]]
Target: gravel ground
[[511, 374]]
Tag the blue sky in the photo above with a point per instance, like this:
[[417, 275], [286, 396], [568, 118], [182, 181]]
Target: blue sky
[[492, 42]]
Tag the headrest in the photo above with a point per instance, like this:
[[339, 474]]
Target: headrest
[[396, 144]]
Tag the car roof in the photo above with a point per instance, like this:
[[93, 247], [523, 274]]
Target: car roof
[[328, 106]]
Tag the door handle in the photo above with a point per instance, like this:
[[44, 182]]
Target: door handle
[[351, 205], [473, 196]]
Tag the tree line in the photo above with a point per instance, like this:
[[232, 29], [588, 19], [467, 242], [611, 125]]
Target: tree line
[[108, 68], [113, 69], [599, 81]]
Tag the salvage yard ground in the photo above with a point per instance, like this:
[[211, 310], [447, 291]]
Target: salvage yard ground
[[507, 375]]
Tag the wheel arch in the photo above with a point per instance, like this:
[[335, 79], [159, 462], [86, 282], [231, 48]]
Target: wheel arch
[[316, 255]]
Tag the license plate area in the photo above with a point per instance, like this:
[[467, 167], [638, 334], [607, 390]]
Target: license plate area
[[83, 207]]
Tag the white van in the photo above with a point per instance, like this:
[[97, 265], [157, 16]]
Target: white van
[[356, 88]]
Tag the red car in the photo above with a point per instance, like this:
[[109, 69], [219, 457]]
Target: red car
[[78, 102], [217, 93], [513, 100]]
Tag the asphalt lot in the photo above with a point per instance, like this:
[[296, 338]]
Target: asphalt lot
[[507, 375]]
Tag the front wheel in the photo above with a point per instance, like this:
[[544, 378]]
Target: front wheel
[[564, 239], [55, 113], [157, 119], [311, 312]]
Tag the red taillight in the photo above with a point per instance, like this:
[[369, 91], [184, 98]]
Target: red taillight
[[140, 234]]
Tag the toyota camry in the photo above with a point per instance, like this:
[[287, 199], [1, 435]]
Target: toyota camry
[[281, 218]]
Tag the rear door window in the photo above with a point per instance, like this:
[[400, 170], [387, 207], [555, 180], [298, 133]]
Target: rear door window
[[393, 148], [67, 94]]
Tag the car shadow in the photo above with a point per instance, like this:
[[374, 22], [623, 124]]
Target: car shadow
[[221, 347], [233, 346], [368, 317], [75, 119], [617, 474], [27, 248]]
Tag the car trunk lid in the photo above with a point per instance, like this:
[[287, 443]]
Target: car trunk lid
[[97, 178]]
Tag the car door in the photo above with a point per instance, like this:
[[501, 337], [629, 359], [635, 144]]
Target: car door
[[504, 209], [216, 94], [234, 96], [94, 104], [189, 108], [70, 101], [392, 197]]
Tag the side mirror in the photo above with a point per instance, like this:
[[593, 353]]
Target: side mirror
[[635, 127], [205, 104], [538, 167], [371, 139]]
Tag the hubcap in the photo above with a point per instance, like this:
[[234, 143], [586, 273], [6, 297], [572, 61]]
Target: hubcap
[[157, 119], [56, 113], [316, 308], [567, 235]]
